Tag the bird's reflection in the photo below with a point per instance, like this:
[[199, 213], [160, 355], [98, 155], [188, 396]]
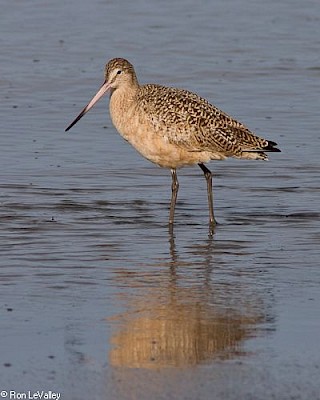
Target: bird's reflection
[[183, 323]]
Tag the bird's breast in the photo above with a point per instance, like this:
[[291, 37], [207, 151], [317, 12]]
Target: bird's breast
[[152, 142]]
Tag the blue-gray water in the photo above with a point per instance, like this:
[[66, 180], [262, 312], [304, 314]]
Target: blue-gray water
[[97, 300]]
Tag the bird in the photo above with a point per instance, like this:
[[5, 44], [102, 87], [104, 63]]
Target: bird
[[174, 127]]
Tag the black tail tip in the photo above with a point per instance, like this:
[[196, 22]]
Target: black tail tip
[[272, 147]]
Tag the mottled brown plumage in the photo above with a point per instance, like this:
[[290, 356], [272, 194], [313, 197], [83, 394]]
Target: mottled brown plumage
[[174, 127]]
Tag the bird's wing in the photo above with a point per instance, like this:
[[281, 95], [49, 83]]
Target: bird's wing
[[190, 121]]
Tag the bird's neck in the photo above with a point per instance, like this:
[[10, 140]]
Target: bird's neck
[[122, 105], [122, 97]]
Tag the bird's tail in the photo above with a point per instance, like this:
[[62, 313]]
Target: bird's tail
[[259, 153], [271, 147]]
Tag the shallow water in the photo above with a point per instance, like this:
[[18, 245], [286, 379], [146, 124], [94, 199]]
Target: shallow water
[[97, 299]]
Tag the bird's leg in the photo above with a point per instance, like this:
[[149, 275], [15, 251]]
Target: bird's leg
[[208, 176], [174, 189]]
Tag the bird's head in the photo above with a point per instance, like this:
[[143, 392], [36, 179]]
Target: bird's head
[[118, 73]]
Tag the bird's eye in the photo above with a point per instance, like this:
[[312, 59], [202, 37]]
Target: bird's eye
[[119, 71]]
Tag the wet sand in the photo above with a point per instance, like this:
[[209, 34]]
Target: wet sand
[[97, 299]]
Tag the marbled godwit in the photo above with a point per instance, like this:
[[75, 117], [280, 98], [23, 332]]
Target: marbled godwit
[[174, 127]]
